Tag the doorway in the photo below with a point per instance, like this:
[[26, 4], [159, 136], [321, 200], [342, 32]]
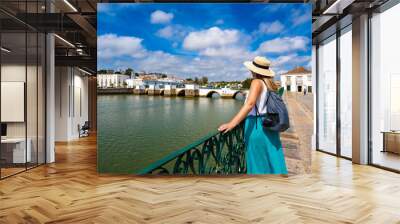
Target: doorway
[[299, 89]]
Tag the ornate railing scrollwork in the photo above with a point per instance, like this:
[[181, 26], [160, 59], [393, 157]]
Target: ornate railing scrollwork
[[215, 153]]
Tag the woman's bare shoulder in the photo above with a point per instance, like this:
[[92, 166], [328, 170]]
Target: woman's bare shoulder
[[257, 83]]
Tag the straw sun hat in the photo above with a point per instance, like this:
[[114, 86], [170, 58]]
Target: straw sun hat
[[260, 65]]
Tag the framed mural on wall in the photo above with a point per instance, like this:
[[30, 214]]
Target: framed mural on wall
[[179, 84]]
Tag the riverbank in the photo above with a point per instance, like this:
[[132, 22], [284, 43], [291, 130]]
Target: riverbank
[[201, 92], [115, 91]]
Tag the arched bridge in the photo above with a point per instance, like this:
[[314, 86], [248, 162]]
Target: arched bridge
[[208, 92], [224, 92], [172, 90]]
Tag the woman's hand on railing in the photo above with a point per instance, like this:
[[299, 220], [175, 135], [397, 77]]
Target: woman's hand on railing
[[226, 127]]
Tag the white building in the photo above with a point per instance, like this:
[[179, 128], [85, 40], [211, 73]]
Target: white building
[[112, 80], [191, 86], [136, 82], [296, 80]]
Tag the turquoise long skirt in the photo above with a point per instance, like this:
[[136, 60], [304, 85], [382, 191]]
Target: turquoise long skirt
[[264, 154]]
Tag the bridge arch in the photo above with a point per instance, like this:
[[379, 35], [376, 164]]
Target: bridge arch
[[181, 92], [209, 94], [162, 92], [237, 92]]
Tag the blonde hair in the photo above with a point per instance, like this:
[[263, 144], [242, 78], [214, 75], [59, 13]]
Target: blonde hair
[[271, 85]]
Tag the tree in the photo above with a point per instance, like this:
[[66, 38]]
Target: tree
[[102, 71], [129, 71], [204, 80], [164, 76], [189, 79], [246, 83], [117, 72]]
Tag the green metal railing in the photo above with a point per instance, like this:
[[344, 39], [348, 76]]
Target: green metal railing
[[215, 153]]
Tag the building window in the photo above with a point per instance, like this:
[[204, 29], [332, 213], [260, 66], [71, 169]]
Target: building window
[[385, 89], [327, 95], [346, 92]]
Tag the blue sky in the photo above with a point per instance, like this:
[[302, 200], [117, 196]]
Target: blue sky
[[213, 40]]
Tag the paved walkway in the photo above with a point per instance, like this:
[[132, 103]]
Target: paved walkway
[[297, 142]]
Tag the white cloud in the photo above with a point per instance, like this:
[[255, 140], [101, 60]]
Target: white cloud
[[161, 17], [165, 32], [219, 22], [231, 52], [215, 42], [112, 9], [290, 60], [213, 37], [285, 44], [220, 60], [271, 28], [272, 8], [215, 68], [111, 45], [174, 32], [300, 17]]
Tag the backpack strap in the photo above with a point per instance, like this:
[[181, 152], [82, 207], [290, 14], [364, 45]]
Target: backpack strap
[[257, 111], [268, 93]]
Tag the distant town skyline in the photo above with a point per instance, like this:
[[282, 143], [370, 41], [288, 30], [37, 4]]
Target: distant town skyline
[[195, 40]]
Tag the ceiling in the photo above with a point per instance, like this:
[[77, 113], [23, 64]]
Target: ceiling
[[73, 21], [330, 15]]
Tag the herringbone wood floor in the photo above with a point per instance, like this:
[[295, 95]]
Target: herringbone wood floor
[[70, 191]]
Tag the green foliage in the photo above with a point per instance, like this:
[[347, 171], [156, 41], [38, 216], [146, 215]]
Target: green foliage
[[246, 83], [204, 80], [129, 71]]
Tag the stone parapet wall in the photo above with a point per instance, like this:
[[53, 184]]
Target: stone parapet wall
[[139, 91], [114, 90], [191, 92], [171, 92], [154, 92]]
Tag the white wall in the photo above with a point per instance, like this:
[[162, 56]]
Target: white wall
[[111, 80], [33, 126], [71, 102]]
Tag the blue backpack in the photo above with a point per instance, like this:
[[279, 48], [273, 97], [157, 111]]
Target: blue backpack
[[277, 116]]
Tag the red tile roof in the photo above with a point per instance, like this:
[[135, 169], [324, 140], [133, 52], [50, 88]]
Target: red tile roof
[[297, 70]]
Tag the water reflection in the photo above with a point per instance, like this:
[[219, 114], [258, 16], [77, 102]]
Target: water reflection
[[240, 96], [134, 131], [215, 95]]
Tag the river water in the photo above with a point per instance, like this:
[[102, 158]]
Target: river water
[[134, 131]]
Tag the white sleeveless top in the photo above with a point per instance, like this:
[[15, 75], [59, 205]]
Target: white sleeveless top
[[262, 109]]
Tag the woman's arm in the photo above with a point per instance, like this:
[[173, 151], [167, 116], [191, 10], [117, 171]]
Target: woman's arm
[[255, 91]]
